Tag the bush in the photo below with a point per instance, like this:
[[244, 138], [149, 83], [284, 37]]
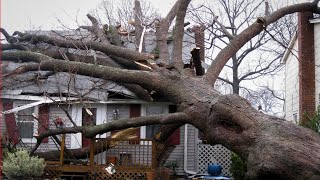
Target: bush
[[20, 165], [238, 167], [312, 122]]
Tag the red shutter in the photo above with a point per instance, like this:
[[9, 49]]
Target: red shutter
[[174, 138], [12, 129], [135, 111], [43, 120]]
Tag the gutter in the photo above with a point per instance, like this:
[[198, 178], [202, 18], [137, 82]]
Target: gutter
[[185, 154]]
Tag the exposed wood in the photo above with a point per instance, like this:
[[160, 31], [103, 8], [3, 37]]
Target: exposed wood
[[138, 26], [273, 148]]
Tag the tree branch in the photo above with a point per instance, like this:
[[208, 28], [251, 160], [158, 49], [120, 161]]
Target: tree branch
[[260, 70], [178, 35], [91, 131], [162, 29], [98, 46], [225, 80], [97, 30], [138, 25], [143, 78], [250, 32]]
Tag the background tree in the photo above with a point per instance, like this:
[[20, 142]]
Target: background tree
[[259, 59], [272, 147], [261, 55]]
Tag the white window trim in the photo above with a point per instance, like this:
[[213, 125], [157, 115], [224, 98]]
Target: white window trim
[[76, 114], [143, 129], [35, 123]]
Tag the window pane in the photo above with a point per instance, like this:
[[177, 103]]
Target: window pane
[[25, 129], [151, 130], [153, 110], [25, 123], [26, 114]]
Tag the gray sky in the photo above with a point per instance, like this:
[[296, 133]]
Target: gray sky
[[43, 14]]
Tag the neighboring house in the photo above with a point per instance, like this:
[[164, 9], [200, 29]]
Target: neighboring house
[[302, 64], [91, 101]]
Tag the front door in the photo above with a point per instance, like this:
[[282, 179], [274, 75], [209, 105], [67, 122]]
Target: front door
[[89, 117]]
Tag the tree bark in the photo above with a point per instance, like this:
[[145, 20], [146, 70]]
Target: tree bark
[[273, 147], [235, 81]]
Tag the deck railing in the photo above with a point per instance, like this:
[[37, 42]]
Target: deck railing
[[134, 158], [124, 153]]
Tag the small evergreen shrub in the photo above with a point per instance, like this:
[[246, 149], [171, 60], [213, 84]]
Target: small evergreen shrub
[[312, 122], [19, 165], [238, 167]]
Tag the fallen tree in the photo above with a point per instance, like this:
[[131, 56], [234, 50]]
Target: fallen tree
[[273, 147]]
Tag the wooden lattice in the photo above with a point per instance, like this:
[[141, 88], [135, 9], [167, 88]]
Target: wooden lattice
[[214, 154], [117, 175], [48, 174]]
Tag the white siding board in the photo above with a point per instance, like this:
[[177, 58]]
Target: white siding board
[[3, 126], [178, 153], [54, 112], [292, 84], [317, 62]]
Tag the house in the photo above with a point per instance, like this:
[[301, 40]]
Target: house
[[36, 101], [302, 60]]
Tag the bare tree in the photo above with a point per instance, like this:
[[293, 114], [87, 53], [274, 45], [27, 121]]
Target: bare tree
[[261, 55], [266, 100], [273, 148]]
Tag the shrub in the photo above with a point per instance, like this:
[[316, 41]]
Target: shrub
[[312, 122], [238, 167], [20, 165]]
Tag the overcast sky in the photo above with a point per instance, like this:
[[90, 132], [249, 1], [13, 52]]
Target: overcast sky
[[43, 14]]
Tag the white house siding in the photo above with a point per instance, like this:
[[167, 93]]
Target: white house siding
[[54, 112], [317, 62], [123, 109], [104, 114], [3, 126], [178, 153], [292, 84], [27, 143]]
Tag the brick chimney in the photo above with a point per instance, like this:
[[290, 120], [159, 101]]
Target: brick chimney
[[306, 65]]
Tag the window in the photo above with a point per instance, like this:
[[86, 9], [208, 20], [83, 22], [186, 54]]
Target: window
[[26, 123], [153, 110]]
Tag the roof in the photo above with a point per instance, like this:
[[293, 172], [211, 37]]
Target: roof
[[72, 85]]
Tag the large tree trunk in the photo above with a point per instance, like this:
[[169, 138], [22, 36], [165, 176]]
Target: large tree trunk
[[274, 148]]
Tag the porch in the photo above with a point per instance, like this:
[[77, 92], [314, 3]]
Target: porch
[[132, 158]]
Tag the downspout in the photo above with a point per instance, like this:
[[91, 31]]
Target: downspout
[[185, 154]]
